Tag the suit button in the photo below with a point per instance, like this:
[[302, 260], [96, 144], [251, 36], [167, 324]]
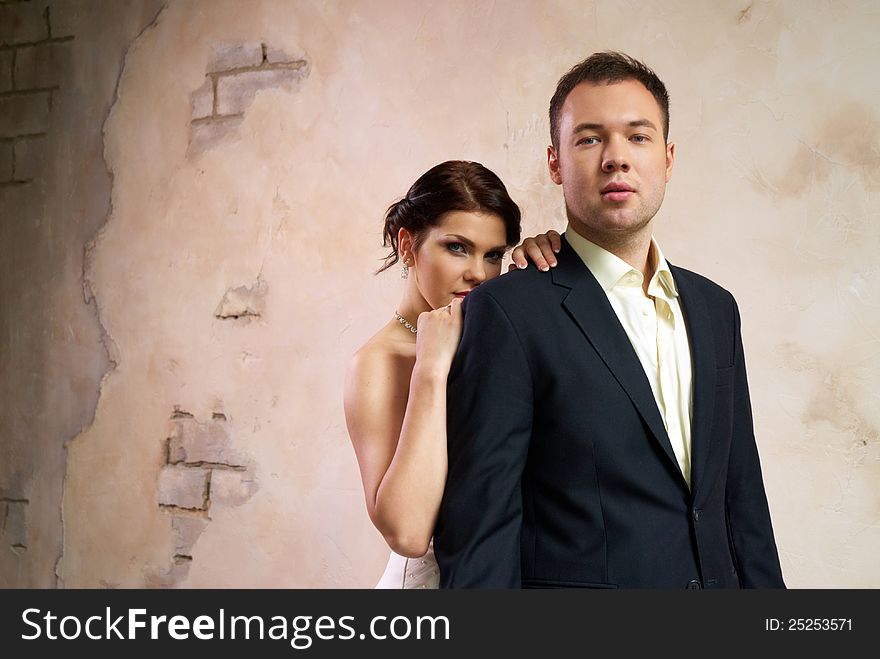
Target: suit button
[[693, 584], [697, 514]]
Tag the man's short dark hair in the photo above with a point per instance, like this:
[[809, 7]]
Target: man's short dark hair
[[607, 68]]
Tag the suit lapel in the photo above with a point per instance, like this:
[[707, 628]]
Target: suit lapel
[[700, 336], [588, 306]]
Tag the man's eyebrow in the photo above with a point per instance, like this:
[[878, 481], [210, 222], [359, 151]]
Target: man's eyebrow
[[587, 126], [632, 124], [642, 122]]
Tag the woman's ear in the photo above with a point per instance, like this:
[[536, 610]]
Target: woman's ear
[[405, 247]]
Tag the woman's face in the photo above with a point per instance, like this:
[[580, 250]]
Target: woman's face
[[462, 251]]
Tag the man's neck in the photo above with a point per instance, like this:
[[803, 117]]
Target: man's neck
[[634, 249]]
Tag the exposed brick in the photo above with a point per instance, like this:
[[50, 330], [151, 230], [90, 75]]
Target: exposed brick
[[204, 136], [192, 441], [29, 157], [179, 570], [15, 529], [5, 70], [5, 175], [234, 56], [185, 487], [243, 301], [203, 100], [186, 531], [236, 92], [276, 55], [65, 16], [231, 488], [43, 65], [24, 113], [21, 23]]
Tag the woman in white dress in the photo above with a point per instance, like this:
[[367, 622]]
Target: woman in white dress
[[451, 232]]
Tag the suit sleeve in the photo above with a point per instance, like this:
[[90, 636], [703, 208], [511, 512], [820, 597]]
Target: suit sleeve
[[489, 422], [748, 515]]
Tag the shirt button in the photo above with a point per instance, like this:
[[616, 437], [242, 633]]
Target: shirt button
[[697, 512], [693, 584]]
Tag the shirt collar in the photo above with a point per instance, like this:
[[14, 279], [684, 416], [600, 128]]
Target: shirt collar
[[610, 270]]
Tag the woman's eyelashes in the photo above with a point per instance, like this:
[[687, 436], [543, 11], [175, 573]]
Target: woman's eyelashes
[[460, 248]]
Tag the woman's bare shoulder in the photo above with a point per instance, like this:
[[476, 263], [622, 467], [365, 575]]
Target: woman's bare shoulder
[[377, 388], [383, 351], [380, 367]]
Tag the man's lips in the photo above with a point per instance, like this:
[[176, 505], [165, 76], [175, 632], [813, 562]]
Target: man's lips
[[617, 192]]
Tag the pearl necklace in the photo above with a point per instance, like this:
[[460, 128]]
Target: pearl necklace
[[403, 321]]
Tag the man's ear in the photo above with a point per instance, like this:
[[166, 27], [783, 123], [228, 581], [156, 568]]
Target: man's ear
[[405, 246], [670, 160], [553, 165]]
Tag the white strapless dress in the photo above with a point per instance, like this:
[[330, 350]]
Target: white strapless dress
[[402, 572]]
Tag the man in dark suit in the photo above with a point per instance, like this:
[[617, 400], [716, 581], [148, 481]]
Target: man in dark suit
[[599, 424]]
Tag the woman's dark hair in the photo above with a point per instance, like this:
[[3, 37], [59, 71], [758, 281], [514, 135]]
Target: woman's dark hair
[[454, 185]]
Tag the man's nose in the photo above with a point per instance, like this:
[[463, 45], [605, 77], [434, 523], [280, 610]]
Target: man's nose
[[615, 157]]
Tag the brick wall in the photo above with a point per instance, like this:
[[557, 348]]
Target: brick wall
[[235, 75], [34, 63], [202, 469]]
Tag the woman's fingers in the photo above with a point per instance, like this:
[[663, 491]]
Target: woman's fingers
[[455, 308], [540, 250], [519, 256]]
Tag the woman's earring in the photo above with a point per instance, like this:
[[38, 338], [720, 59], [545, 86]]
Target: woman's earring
[[405, 272]]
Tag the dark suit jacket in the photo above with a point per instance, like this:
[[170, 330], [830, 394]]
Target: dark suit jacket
[[561, 473]]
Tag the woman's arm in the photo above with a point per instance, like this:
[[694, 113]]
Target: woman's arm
[[397, 423]]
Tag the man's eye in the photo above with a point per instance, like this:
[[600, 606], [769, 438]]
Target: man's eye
[[587, 141], [640, 138]]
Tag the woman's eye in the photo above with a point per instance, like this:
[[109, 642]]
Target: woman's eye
[[458, 248], [494, 257]]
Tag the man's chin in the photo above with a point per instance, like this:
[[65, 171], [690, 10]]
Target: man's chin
[[618, 223]]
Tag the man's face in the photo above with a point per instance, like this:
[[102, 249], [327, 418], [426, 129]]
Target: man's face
[[612, 160]]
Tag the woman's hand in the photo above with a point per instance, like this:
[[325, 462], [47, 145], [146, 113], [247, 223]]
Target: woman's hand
[[541, 250], [438, 337]]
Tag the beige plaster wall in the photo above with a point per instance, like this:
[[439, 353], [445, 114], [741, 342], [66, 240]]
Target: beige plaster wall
[[232, 275]]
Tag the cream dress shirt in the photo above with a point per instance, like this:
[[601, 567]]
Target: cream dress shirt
[[655, 327]]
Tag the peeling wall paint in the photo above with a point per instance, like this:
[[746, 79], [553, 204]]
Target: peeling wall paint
[[231, 272]]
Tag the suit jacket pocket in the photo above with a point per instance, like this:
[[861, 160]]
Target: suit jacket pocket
[[547, 583], [723, 376]]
